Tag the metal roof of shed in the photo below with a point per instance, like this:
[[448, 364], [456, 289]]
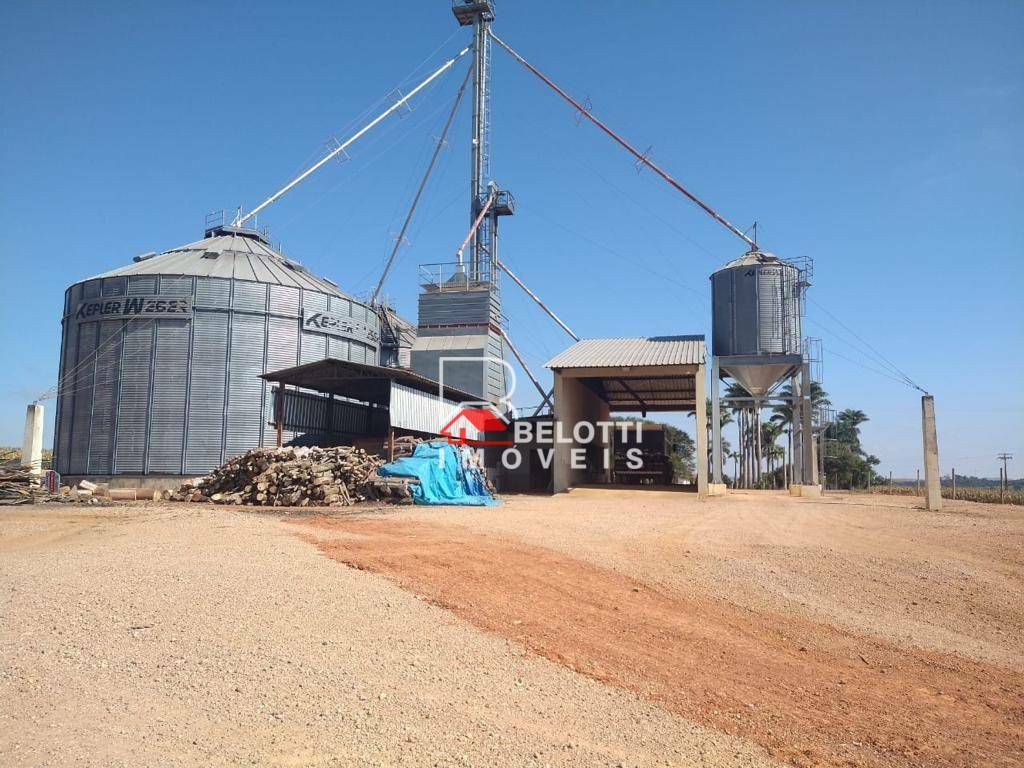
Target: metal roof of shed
[[652, 350], [360, 381], [230, 252]]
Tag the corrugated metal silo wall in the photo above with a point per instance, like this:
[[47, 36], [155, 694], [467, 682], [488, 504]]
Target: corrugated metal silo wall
[[735, 312], [180, 395], [755, 310]]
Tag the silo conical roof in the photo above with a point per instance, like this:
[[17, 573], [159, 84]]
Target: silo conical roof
[[234, 253]]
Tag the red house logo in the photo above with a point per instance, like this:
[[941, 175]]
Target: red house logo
[[475, 421]]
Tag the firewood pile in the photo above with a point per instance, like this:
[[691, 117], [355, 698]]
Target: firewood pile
[[297, 477], [404, 446], [19, 486]]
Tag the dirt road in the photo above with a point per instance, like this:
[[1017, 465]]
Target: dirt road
[[597, 628]]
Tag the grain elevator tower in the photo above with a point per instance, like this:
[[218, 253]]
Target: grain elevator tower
[[459, 304]]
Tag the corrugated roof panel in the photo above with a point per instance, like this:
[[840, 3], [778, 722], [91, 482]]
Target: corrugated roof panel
[[450, 343], [222, 266], [262, 272], [243, 268], [239, 256], [653, 350], [282, 275]]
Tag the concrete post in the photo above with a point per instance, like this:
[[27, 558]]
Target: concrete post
[[808, 459], [701, 412], [561, 473], [716, 425], [932, 483], [32, 443]]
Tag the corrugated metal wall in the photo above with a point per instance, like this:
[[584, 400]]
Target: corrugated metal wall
[[319, 416], [464, 312], [105, 397], [178, 396], [133, 402], [170, 397], [422, 412]]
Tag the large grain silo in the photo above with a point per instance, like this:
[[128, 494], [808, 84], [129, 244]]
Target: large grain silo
[[160, 359]]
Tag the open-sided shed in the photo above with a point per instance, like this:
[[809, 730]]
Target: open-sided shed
[[595, 378], [362, 400]]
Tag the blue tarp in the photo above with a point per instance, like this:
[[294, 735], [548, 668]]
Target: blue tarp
[[445, 478]]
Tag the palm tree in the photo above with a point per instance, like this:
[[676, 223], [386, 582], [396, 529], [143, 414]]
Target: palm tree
[[770, 432], [742, 410], [724, 417], [782, 413], [847, 427]]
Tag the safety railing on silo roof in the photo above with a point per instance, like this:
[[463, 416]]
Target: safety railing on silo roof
[[453, 276]]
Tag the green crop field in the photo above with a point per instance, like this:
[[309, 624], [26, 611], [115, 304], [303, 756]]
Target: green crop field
[[968, 493]]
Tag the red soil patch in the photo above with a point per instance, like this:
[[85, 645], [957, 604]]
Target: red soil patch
[[810, 693]]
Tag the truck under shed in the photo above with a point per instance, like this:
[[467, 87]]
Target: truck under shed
[[595, 378]]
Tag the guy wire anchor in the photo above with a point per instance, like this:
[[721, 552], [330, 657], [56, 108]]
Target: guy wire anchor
[[587, 107], [641, 162]]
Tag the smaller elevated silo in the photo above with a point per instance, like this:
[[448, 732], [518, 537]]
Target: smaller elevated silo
[[756, 316]]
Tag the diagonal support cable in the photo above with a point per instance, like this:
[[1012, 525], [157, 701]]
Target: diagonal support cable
[[240, 219], [545, 397], [419, 192], [640, 156], [504, 267]]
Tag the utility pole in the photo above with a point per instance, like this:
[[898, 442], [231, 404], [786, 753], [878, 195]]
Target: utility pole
[[1005, 479]]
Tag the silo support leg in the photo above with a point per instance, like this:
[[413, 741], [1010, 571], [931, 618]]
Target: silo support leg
[[810, 467]]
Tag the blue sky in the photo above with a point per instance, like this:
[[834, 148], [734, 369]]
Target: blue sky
[[883, 139]]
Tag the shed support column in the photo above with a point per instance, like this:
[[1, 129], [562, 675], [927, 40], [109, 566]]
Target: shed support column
[[717, 486], [561, 475], [32, 442], [932, 486], [701, 412], [716, 424]]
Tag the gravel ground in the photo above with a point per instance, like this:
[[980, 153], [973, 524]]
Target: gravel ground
[[811, 693], [180, 635], [877, 565]]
